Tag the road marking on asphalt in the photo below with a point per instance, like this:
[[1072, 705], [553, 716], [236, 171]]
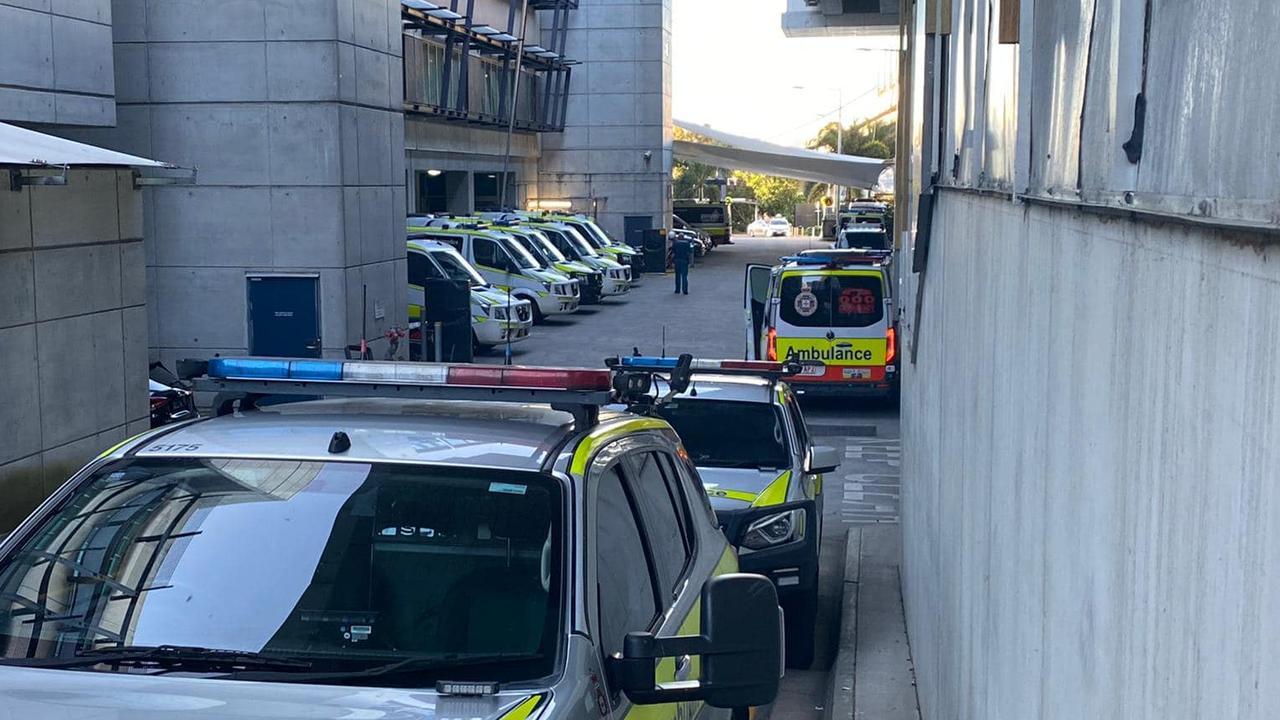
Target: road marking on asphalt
[[874, 494]]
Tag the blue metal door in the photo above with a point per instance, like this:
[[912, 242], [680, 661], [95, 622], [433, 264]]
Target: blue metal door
[[284, 316]]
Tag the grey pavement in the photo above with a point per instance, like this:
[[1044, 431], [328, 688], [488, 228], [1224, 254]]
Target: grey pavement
[[860, 623], [707, 322]]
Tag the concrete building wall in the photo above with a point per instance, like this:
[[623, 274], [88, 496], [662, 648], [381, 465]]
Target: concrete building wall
[[56, 62], [1090, 434], [73, 330], [1091, 441], [451, 147], [619, 109], [290, 111]]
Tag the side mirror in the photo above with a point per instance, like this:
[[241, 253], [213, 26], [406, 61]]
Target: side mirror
[[822, 459], [740, 649]]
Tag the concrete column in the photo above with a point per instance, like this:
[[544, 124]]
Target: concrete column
[[291, 113], [619, 110]]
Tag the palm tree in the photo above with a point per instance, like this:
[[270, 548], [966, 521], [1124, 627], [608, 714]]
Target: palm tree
[[873, 140]]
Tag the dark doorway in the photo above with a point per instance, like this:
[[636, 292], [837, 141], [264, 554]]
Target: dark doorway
[[487, 191], [433, 192], [634, 228], [284, 316]]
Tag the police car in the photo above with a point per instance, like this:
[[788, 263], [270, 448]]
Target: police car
[[427, 541], [830, 306], [742, 426]]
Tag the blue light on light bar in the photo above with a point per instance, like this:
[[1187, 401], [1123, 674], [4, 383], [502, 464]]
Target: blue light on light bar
[[649, 361], [315, 370], [271, 369]]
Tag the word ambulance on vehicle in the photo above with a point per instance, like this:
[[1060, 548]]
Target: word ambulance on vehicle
[[830, 306], [496, 317], [505, 264], [351, 539]]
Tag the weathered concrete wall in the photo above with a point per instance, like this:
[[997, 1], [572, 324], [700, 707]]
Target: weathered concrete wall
[[73, 330], [56, 63], [1091, 445], [291, 113], [619, 109]]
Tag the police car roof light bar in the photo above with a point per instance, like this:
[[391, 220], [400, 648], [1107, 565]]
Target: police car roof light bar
[[759, 368], [580, 391]]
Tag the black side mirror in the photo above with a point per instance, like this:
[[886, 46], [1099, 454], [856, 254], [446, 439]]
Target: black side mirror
[[740, 648]]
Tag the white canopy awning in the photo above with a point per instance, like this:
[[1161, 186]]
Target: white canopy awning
[[743, 153], [20, 147]]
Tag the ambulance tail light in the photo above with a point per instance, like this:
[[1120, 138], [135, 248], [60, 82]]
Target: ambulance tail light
[[890, 345], [771, 349]]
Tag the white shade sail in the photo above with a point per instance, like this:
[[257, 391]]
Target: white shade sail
[[743, 153]]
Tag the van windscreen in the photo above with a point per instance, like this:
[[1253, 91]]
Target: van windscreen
[[827, 300]]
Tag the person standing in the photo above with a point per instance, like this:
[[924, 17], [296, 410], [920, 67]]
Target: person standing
[[681, 254]]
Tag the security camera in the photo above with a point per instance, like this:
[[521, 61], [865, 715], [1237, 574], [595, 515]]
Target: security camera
[[648, 154]]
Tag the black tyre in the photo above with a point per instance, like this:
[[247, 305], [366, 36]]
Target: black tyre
[[801, 613], [538, 317]]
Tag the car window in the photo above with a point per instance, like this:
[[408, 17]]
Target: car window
[[422, 269], [490, 254], [728, 433], [830, 300], [797, 419], [344, 565], [624, 581], [457, 268], [662, 510], [452, 241]]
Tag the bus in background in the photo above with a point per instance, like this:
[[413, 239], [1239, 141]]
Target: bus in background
[[712, 217]]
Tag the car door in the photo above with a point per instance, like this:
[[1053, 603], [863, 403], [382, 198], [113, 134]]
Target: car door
[[755, 304], [644, 547]]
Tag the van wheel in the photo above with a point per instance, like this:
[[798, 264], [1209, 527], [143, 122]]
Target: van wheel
[[801, 615], [476, 346]]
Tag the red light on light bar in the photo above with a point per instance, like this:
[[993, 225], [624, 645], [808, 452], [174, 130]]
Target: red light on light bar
[[526, 377]]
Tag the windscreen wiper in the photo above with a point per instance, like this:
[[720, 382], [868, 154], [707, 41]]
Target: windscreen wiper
[[407, 665], [167, 657]]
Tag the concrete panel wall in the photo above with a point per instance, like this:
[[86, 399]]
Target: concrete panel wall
[[73, 330], [56, 63], [291, 113], [619, 109], [1091, 444]]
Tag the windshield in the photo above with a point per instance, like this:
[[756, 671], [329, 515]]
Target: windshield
[[549, 248], [701, 214], [534, 250], [579, 242], [569, 242], [458, 268], [518, 252], [590, 233], [829, 300], [875, 239], [779, 221], [725, 433], [345, 566]]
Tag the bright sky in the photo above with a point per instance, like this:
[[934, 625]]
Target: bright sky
[[733, 69]]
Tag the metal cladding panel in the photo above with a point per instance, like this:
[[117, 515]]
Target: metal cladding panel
[[1213, 101], [1057, 87]]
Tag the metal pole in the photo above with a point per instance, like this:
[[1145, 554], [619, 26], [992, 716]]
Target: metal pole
[[515, 105], [839, 150], [439, 333]]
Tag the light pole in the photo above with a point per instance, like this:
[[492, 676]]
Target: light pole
[[839, 133]]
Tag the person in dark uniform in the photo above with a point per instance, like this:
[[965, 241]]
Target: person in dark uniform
[[681, 254]]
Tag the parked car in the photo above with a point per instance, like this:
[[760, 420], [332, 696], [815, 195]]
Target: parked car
[[171, 399], [758, 227], [779, 227]]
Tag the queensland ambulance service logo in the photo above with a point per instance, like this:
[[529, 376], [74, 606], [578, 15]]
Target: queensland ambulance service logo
[[806, 303]]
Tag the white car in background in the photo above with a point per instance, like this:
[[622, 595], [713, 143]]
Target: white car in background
[[779, 227], [758, 228]]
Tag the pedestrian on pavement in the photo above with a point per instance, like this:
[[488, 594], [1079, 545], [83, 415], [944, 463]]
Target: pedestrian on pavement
[[681, 254]]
